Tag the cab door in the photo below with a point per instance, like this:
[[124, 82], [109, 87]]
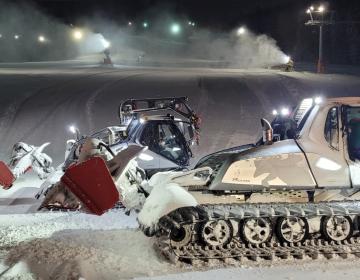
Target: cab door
[[351, 119], [149, 159], [165, 143]]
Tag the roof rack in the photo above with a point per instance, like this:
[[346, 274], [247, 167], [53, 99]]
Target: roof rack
[[131, 107]]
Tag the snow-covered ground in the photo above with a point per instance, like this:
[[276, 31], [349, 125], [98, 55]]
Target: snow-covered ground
[[38, 103]]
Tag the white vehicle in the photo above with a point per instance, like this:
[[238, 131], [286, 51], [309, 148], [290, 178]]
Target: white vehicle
[[295, 187]]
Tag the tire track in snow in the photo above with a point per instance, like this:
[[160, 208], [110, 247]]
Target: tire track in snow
[[92, 100], [62, 99]]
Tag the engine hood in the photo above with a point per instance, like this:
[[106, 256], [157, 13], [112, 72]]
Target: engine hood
[[221, 155], [280, 166]]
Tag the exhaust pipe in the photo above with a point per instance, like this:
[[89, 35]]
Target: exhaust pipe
[[267, 132]]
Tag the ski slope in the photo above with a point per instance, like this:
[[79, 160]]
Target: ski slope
[[40, 101]]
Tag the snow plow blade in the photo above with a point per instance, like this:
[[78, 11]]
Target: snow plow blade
[[7, 178], [93, 185]]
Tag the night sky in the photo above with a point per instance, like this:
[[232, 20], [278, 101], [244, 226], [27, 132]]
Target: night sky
[[283, 20], [278, 18]]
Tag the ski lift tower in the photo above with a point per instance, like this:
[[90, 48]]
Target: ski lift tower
[[317, 18]]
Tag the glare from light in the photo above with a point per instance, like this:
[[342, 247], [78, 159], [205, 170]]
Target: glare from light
[[275, 112], [190, 23], [175, 28], [327, 164], [145, 157], [142, 120], [193, 24], [78, 35], [311, 8], [308, 11], [287, 59], [285, 111], [321, 9], [16, 36], [145, 24], [0, 35], [176, 149], [41, 39], [130, 23], [73, 129], [105, 43], [241, 31], [318, 100]]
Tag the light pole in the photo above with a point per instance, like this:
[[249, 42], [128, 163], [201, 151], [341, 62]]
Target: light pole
[[317, 19]]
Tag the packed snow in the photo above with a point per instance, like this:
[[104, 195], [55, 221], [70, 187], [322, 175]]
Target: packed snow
[[40, 101]]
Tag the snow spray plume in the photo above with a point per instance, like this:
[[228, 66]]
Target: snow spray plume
[[158, 44]]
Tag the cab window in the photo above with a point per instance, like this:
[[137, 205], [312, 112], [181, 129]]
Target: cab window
[[332, 128], [352, 122], [165, 139]]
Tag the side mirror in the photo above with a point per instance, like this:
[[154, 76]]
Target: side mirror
[[267, 132]]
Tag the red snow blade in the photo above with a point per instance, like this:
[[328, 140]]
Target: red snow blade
[[6, 176], [93, 185]]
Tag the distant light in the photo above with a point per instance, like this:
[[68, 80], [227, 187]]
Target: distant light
[[275, 112], [241, 31], [285, 111], [130, 23], [308, 11], [287, 59], [145, 24], [78, 35], [318, 100], [193, 24], [16, 36], [312, 8], [190, 23], [175, 28], [142, 120], [321, 9], [41, 39], [0, 35]]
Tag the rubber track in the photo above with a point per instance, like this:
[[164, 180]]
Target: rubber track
[[237, 250]]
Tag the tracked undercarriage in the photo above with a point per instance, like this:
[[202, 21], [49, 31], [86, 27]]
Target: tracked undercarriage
[[264, 230]]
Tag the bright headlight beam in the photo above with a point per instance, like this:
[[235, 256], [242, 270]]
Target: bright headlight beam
[[318, 100], [285, 111], [72, 129]]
